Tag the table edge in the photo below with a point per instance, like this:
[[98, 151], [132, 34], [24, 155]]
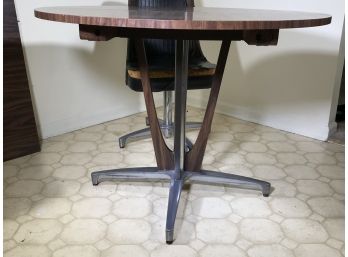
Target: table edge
[[182, 24]]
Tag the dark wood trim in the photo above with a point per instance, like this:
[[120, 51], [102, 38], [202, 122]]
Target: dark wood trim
[[20, 132], [261, 37], [105, 33], [164, 156], [194, 158], [251, 37]]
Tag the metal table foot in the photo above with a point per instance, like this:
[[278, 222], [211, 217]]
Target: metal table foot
[[130, 174], [173, 203], [220, 178], [152, 174]]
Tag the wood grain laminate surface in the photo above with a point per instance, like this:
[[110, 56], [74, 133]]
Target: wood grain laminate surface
[[20, 132], [197, 18]]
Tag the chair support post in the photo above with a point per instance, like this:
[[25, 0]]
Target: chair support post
[[167, 113]]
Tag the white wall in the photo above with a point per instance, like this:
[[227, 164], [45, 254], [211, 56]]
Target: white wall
[[74, 83], [290, 86], [79, 83]]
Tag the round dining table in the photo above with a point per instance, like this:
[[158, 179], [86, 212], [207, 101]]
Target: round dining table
[[181, 165]]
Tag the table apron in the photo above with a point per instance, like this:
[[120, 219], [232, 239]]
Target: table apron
[[251, 37]]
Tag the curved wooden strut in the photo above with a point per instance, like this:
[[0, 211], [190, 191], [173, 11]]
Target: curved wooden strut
[[194, 158], [164, 156]]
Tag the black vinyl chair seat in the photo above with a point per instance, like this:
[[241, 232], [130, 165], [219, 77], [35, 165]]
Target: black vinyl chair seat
[[160, 55]]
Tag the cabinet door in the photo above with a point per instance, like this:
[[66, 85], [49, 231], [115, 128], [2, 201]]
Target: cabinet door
[[20, 132]]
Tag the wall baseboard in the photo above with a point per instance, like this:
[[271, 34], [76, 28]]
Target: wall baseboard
[[82, 121], [77, 122], [244, 113], [73, 123]]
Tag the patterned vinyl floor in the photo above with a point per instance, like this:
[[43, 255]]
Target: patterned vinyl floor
[[51, 208]]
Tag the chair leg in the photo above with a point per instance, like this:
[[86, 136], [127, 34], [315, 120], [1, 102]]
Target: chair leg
[[166, 125], [147, 122], [136, 134], [221, 178], [193, 125], [173, 203], [188, 144], [122, 141], [167, 131], [167, 114]]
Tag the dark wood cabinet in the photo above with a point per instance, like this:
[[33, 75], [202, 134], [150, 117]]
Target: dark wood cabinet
[[20, 132]]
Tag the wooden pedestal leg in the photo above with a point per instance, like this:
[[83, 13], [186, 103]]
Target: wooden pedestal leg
[[194, 158], [164, 156]]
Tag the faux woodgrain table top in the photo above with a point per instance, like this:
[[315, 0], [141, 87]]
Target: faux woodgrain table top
[[197, 18]]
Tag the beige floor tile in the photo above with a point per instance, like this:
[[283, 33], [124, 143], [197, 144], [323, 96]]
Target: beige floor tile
[[75, 159], [253, 147], [9, 171], [250, 207], [61, 188], [102, 190], [314, 187], [283, 188], [133, 207], [320, 158], [9, 228], [82, 147], [281, 147], [35, 172], [84, 231], [216, 231], [69, 172], [222, 250], [318, 250], [291, 158], [211, 207], [82, 208], [38, 231], [107, 158], [173, 251], [184, 232], [8, 245], [77, 251], [304, 230], [45, 158], [125, 251], [260, 158], [269, 251], [129, 231], [327, 207], [335, 227], [331, 171], [254, 231], [301, 172], [268, 172], [28, 251], [51, 209], [290, 207], [14, 207]]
